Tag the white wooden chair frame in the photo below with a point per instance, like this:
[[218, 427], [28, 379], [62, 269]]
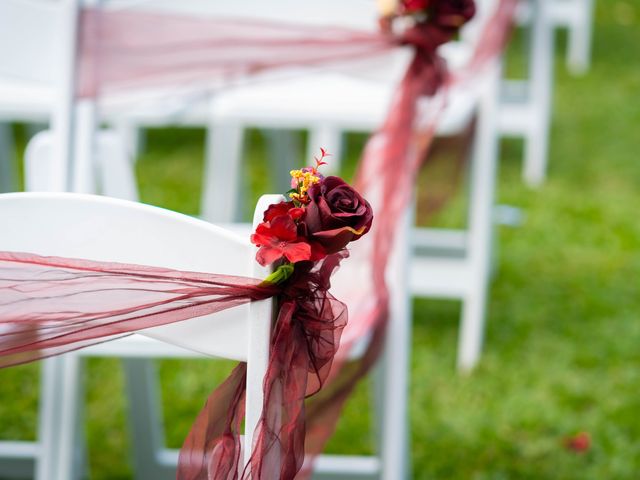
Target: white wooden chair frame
[[153, 461], [465, 277]]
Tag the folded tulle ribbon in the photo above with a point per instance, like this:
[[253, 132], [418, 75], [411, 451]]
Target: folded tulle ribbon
[[53, 305], [37, 293]]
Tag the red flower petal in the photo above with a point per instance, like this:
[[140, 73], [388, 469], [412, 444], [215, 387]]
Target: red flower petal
[[297, 252], [263, 235], [276, 210], [318, 252], [296, 213], [267, 255], [284, 228]]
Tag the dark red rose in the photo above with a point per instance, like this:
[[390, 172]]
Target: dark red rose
[[410, 6], [452, 14], [336, 214]]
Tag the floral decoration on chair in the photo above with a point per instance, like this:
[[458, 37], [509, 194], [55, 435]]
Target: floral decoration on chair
[[323, 215]]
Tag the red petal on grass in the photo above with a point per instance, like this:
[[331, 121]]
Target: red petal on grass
[[581, 442]]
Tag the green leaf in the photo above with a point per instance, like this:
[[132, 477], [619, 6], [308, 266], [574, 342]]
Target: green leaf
[[281, 274]]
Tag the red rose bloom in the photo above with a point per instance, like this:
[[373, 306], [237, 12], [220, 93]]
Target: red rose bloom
[[279, 238], [411, 6], [336, 214]]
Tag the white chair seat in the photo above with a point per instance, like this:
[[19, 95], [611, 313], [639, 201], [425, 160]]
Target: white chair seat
[[348, 103], [137, 346]]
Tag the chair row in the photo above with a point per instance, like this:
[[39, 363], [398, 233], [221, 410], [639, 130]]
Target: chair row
[[100, 158], [49, 166]]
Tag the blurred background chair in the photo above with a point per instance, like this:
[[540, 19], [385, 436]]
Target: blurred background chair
[[336, 101], [576, 16], [527, 104], [36, 86], [224, 128], [328, 104]]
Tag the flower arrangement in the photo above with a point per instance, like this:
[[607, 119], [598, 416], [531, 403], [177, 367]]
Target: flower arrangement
[[323, 215], [445, 14]]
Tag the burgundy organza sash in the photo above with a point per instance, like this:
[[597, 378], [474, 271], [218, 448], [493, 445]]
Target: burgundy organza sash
[[133, 50], [44, 303], [51, 305]]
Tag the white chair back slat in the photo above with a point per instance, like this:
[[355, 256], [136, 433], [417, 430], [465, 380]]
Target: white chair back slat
[[30, 46], [37, 49]]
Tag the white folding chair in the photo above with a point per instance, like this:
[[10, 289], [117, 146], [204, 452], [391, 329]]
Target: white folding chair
[[44, 32], [36, 81], [107, 147], [576, 16], [153, 461], [106, 229], [329, 103], [38, 85], [526, 107]]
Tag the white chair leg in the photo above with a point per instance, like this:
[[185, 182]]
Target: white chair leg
[[116, 173], [221, 176], [48, 419], [395, 448], [37, 460], [540, 96], [483, 175], [536, 147], [328, 137], [579, 40], [472, 329], [145, 418], [7, 151], [70, 439], [378, 388], [133, 138]]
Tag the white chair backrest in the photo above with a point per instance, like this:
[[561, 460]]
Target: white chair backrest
[[359, 15], [30, 42], [107, 229], [111, 171], [38, 46]]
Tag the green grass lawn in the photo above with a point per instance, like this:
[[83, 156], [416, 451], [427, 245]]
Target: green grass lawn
[[562, 350]]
